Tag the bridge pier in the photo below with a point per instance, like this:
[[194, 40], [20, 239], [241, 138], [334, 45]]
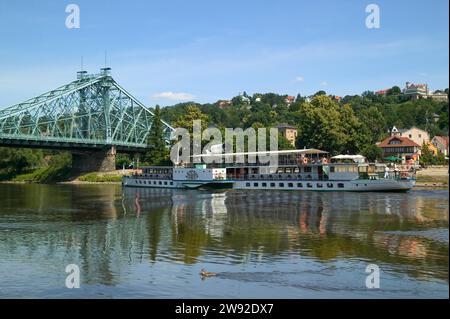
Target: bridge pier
[[94, 161]]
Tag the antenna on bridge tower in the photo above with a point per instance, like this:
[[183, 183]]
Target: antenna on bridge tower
[[106, 55], [81, 74]]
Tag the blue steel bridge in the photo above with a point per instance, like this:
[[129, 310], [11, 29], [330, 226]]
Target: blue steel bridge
[[93, 117]]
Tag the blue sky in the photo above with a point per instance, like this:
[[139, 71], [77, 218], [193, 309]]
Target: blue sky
[[169, 51]]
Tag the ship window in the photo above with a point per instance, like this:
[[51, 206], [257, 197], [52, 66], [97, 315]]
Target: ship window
[[145, 182], [309, 185], [307, 169], [299, 185], [255, 184], [319, 185], [264, 184], [247, 184], [165, 183], [331, 169], [272, 184], [290, 185], [281, 184], [171, 183], [160, 183], [330, 185], [340, 185]]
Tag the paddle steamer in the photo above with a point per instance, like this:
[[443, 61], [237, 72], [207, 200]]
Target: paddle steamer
[[296, 170]]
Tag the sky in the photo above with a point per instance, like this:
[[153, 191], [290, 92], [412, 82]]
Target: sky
[[166, 52]]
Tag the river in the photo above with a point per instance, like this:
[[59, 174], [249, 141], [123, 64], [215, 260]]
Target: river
[[152, 243]]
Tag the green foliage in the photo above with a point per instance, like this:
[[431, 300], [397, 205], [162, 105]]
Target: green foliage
[[429, 158], [395, 90], [123, 160], [372, 152], [59, 169], [349, 126], [157, 152]]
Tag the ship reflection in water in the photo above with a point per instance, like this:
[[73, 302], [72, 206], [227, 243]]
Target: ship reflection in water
[[152, 243]]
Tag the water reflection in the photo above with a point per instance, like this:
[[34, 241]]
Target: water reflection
[[108, 231]]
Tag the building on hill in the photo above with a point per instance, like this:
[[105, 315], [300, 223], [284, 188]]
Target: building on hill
[[383, 92], [415, 134], [419, 91], [289, 132], [416, 91], [441, 143], [223, 104], [402, 147], [289, 99], [438, 96]]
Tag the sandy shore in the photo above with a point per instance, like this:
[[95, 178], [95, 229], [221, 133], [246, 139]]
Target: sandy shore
[[436, 176]]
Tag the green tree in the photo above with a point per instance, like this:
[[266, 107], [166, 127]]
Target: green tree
[[372, 152], [395, 90], [320, 125], [186, 121], [157, 152]]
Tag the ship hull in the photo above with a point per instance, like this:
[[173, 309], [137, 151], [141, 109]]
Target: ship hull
[[292, 185]]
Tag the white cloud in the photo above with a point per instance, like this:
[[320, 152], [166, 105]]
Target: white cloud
[[299, 79], [324, 83], [174, 96]]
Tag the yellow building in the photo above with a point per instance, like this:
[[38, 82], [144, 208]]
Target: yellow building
[[289, 132]]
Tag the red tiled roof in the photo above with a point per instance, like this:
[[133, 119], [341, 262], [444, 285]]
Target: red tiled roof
[[404, 141]]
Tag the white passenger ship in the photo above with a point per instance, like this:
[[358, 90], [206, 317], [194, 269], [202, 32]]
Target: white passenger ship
[[308, 170]]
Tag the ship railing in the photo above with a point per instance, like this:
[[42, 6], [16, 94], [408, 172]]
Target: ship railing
[[392, 175], [152, 176], [278, 177]]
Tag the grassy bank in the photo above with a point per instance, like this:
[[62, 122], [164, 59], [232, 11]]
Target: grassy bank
[[100, 178]]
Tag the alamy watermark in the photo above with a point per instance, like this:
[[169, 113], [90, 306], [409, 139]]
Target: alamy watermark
[[239, 146], [373, 279], [73, 279], [373, 19], [73, 19]]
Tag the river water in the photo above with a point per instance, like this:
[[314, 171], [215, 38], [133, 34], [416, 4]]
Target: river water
[[152, 243]]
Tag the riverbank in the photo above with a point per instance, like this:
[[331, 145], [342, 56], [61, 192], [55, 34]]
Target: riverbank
[[436, 176], [114, 177]]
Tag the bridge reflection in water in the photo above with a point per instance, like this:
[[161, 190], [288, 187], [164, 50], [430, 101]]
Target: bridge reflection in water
[[109, 232]]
